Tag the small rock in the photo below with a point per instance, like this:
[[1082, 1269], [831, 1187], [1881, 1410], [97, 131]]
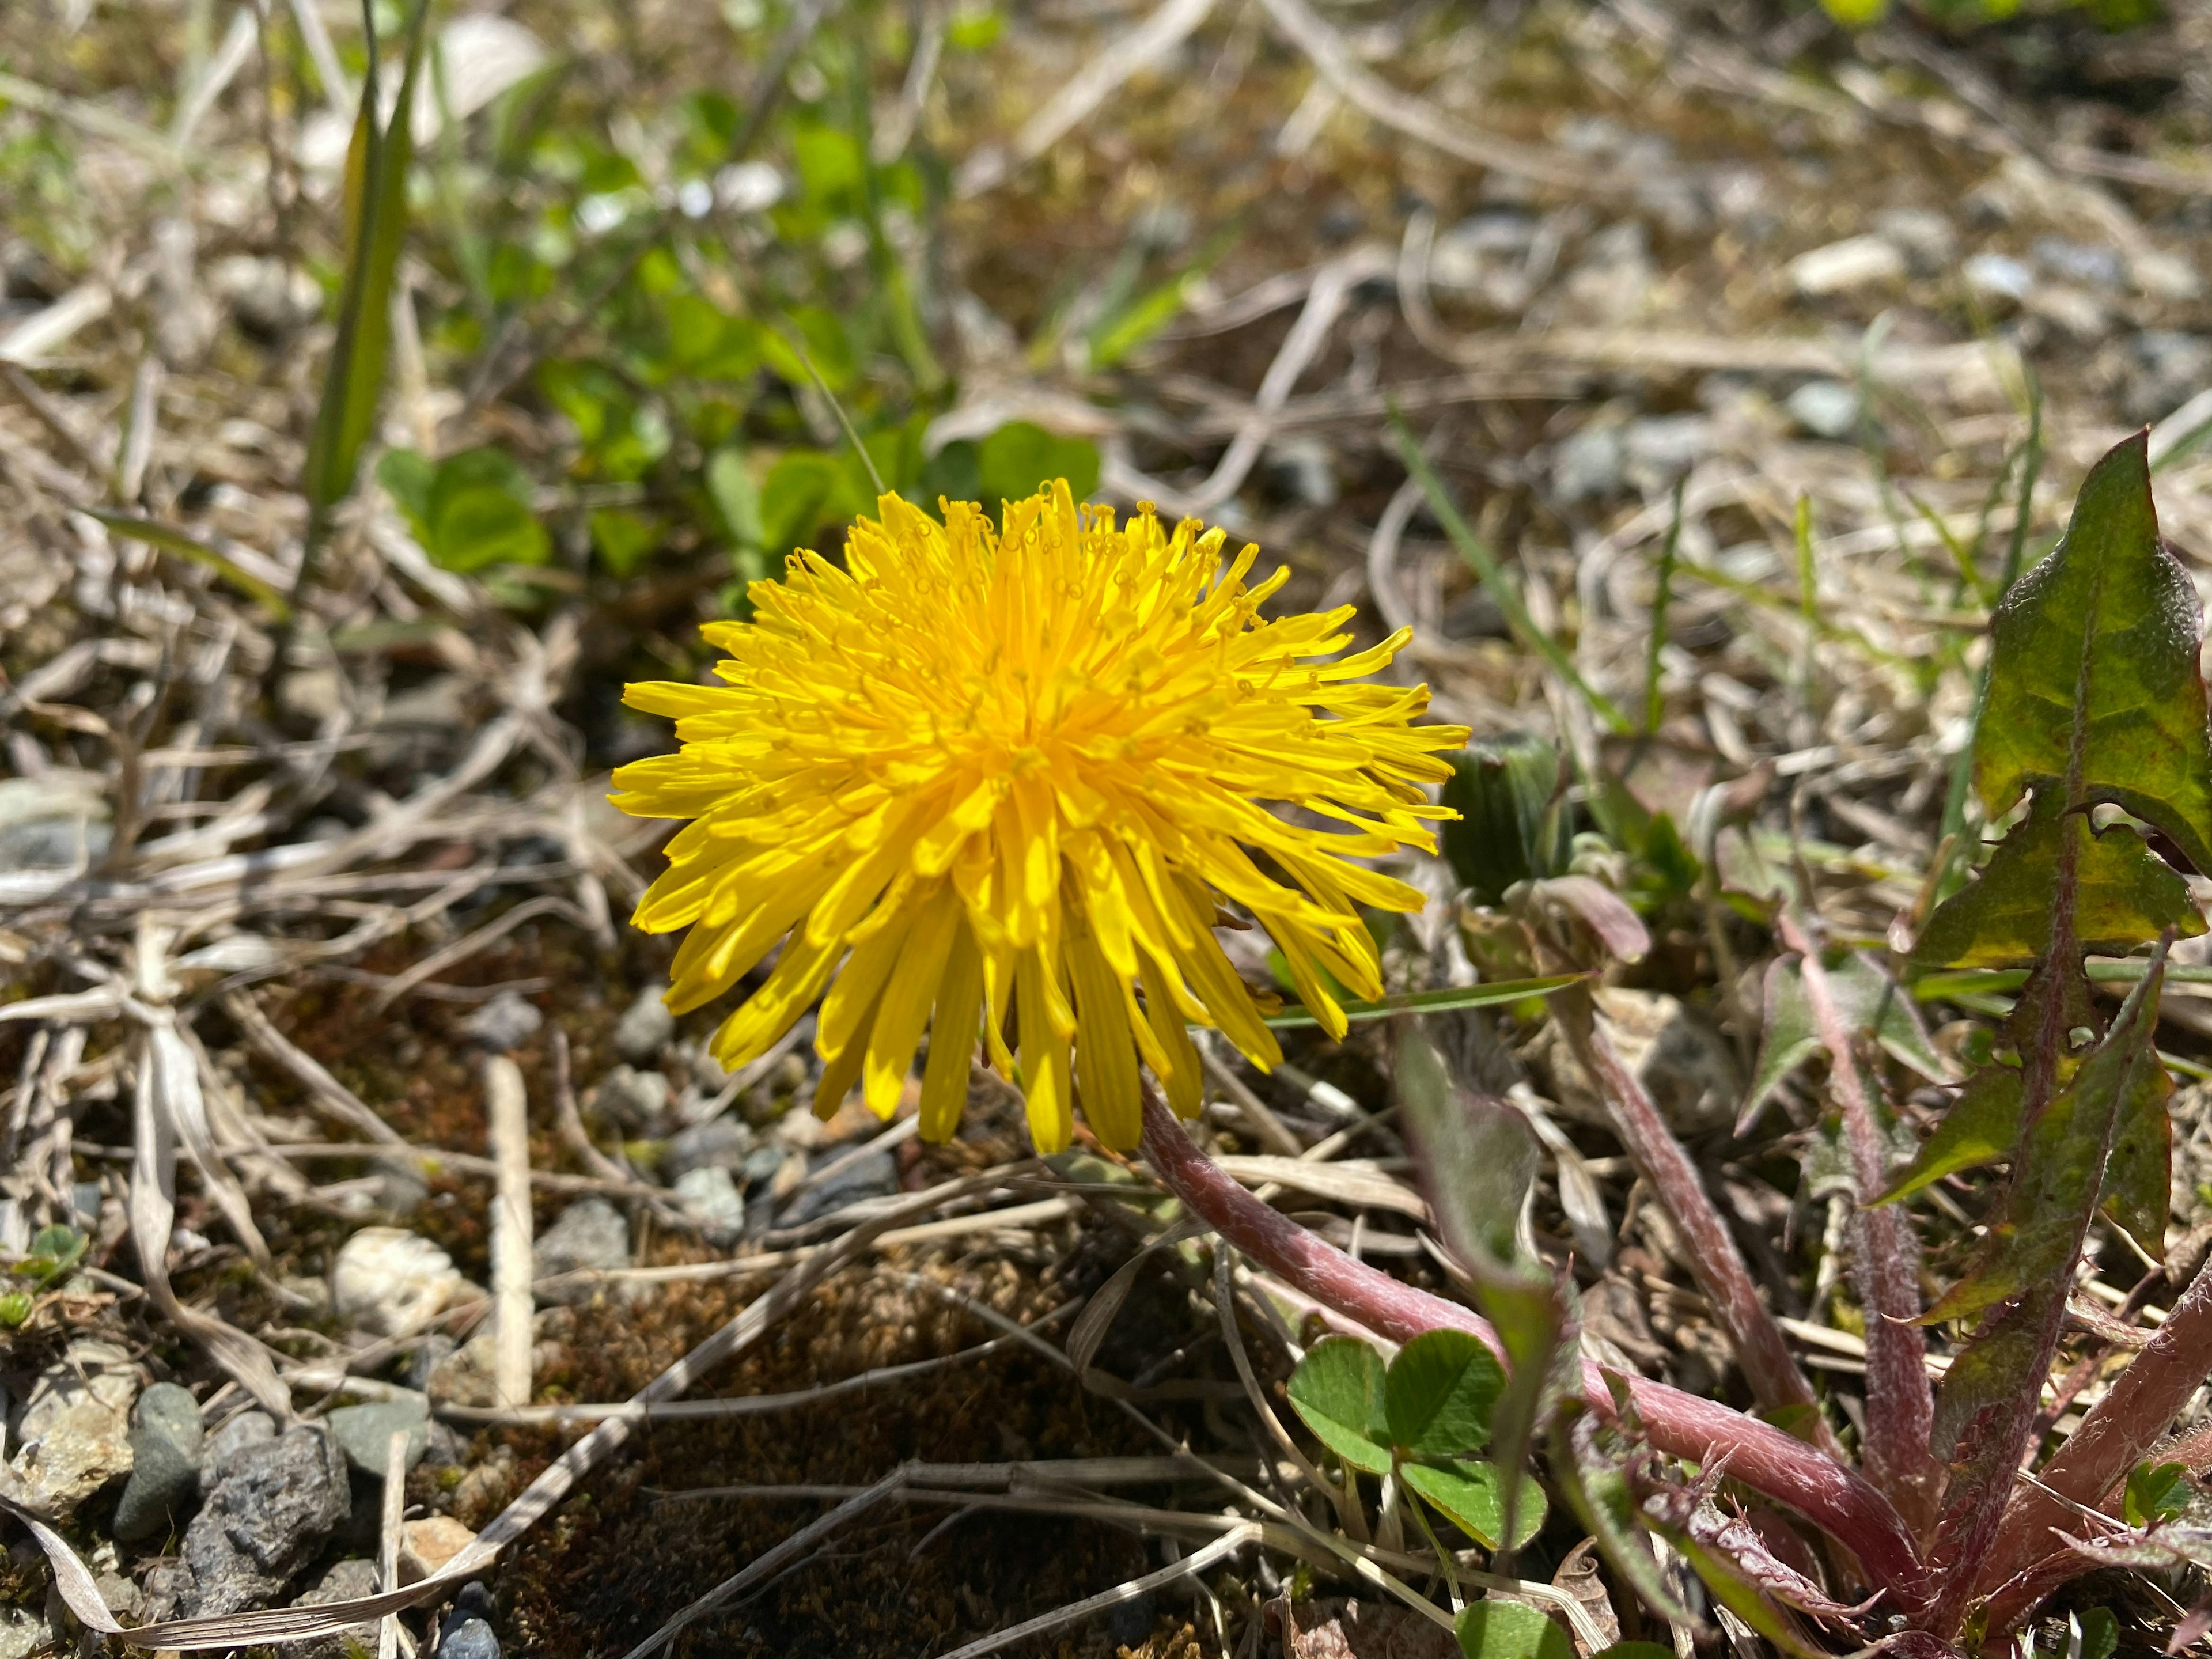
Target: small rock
[[23, 1633], [645, 1030], [464, 1376], [1303, 469], [342, 1581], [265, 1520], [58, 820], [872, 1175], [721, 1143], [267, 296], [2081, 262], [1468, 255], [1825, 409], [365, 1433], [425, 1546], [117, 1593], [761, 1164], [589, 1234], [636, 1101], [236, 1436], [1588, 465], [168, 1591], [165, 1462], [1998, 277], [1657, 450], [1856, 262], [505, 1023], [2166, 370], [471, 1638], [429, 1350], [1925, 237], [708, 1074], [75, 1433], [388, 1282], [712, 1200]]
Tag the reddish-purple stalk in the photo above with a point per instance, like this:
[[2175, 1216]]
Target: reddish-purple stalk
[[1784, 1469], [2027, 1563], [1761, 1349], [1900, 1405]]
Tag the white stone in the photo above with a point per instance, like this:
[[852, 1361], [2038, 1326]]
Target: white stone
[[389, 1282], [1855, 262]]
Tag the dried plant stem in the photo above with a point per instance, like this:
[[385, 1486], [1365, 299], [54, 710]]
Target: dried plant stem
[[1900, 1405], [395, 1507], [509, 1111], [1775, 1464]]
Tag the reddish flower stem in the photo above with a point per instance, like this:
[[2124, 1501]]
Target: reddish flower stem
[[1760, 1348], [1773, 1464]]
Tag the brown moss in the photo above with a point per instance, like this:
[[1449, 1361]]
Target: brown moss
[[625, 1553]]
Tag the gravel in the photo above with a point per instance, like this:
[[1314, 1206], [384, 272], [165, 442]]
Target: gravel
[[266, 1519], [364, 1433], [589, 1234], [646, 1028], [73, 1436], [165, 1444]]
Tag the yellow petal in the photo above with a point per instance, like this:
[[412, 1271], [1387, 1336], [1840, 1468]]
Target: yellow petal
[[952, 1039]]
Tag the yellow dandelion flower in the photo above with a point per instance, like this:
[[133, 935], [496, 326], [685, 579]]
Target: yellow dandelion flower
[[1010, 779]]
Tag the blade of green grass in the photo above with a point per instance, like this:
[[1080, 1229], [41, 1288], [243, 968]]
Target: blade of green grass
[[376, 224], [1653, 704], [184, 547], [1435, 1002], [1485, 566]]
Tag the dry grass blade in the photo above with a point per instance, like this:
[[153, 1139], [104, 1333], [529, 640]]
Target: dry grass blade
[[1198, 1561]]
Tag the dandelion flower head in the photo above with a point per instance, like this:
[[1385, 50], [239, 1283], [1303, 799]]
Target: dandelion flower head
[[1008, 779]]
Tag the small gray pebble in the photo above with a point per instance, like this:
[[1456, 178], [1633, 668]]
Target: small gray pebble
[[275, 1506], [164, 1462], [721, 1143], [645, 1030], [342, 1581], [1589, 464], [365, 1431], [1826, 408], [469, 1639], [633, 1100], [589, 1234], [712, 1199], [872, 1176], [240, 1434], [506, 1022], [429, 1350]]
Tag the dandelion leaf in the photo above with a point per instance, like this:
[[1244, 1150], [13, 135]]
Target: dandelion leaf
[[2123, 894], [2094, 684]]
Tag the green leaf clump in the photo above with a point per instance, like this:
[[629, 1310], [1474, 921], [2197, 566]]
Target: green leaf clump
[[1423, 1415]]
